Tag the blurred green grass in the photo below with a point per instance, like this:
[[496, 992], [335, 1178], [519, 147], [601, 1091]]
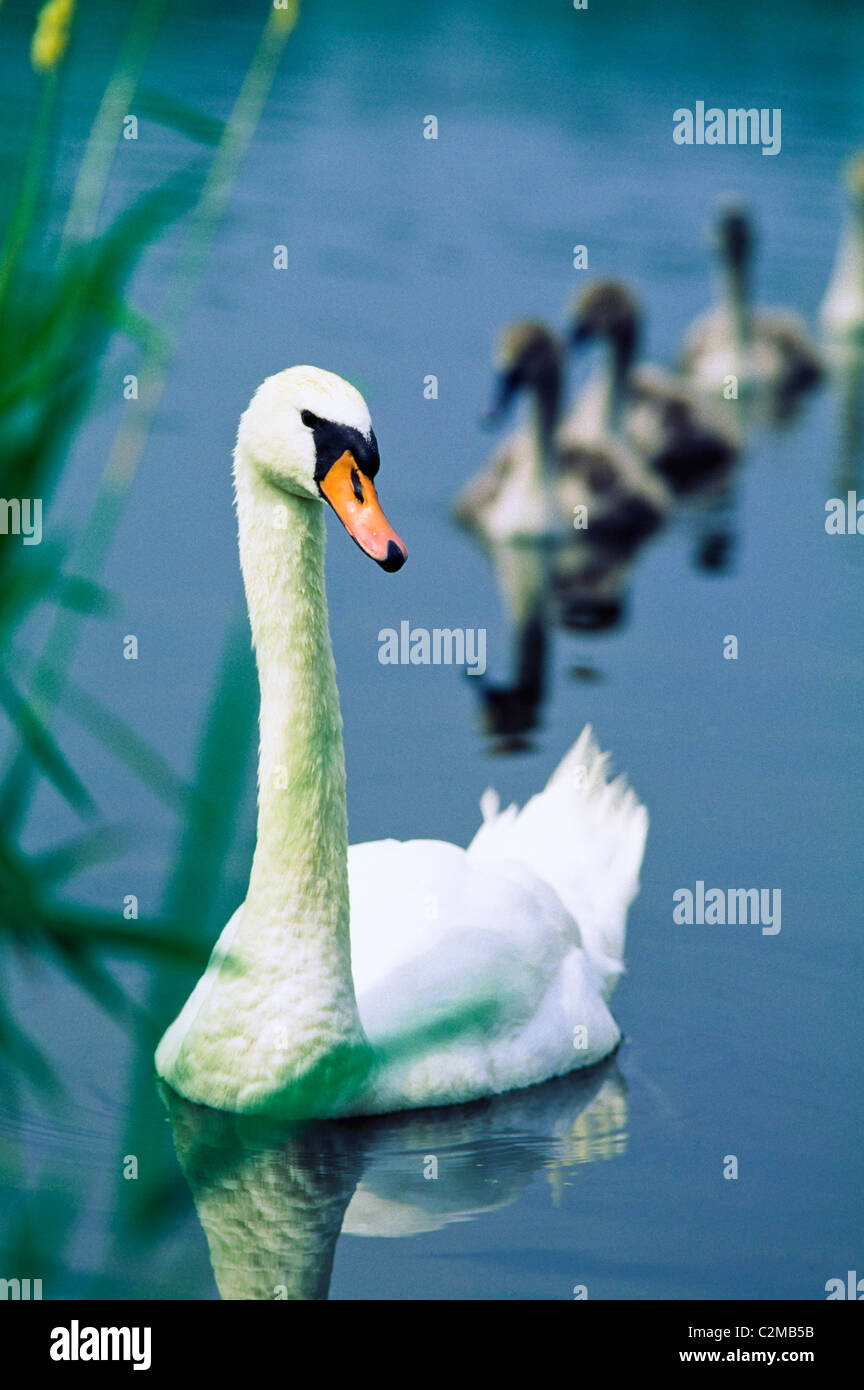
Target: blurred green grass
[[64, 300]]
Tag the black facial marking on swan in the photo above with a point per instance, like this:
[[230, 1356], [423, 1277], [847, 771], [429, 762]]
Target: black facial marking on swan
[[332, 441]]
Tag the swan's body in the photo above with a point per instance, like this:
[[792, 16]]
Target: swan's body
[[392, 975], [470, 971], [842, 309], [682, 438], [540, 475], [768, 351]]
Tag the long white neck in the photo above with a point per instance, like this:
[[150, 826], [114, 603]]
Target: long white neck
[[293, 941], [302, 823]]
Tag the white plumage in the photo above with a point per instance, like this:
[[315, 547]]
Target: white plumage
[[389, 975], [480, 968]]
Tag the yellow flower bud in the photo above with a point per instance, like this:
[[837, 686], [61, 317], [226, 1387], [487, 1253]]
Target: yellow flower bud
[[52, 34]]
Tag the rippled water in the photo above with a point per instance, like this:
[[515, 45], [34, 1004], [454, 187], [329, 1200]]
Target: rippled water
[[406, 256]]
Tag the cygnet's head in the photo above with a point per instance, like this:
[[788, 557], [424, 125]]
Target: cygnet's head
[[605, 310], [528, 358]]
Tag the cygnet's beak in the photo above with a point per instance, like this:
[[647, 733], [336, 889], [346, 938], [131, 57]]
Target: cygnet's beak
[[353, 498], [504, 390]]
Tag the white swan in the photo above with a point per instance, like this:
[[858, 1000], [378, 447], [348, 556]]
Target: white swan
[[474, 971], [769, 351], [842, 309]]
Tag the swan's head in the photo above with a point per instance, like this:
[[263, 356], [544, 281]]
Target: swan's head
[[528, 357], [734, 234], [308, 432], [607, 310]]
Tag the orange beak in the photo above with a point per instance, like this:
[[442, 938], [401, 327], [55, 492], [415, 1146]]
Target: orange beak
[[354, 500]]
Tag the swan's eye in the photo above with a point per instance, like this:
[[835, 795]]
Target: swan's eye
[[309, 419]]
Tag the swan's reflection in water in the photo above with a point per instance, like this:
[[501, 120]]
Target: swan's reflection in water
[[510, 710], [580, 586], [273, 1200]]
